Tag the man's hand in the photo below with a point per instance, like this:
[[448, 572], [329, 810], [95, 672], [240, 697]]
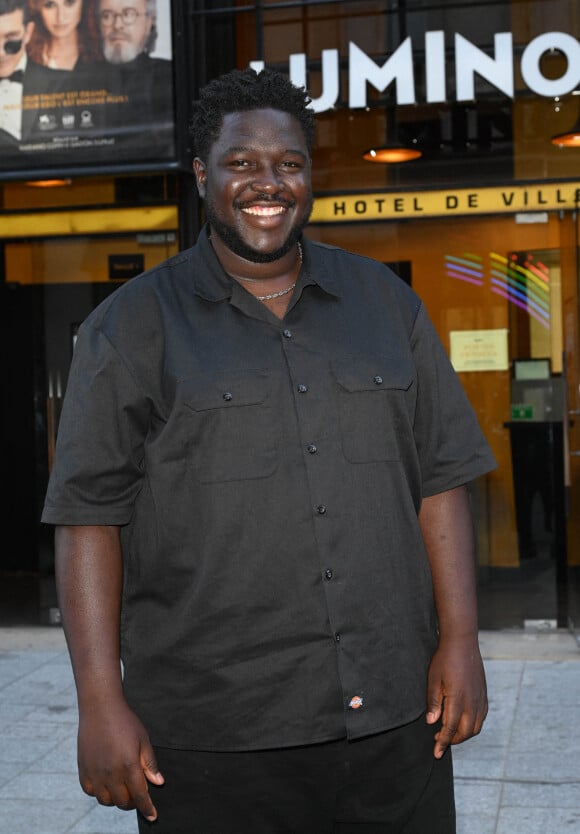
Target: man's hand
[[456, 691], [115, 758], [456, 688]]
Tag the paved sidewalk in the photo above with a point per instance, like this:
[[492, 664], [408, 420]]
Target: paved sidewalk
[[520, 776]]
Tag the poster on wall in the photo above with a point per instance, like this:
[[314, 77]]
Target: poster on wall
[[85, 83]]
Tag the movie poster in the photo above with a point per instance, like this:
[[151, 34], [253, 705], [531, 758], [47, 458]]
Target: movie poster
[[90, 82]]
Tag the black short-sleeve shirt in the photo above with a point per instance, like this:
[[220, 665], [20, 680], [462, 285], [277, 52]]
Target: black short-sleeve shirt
[[267, 476]]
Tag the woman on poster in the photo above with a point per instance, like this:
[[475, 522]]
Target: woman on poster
[[65, 34]]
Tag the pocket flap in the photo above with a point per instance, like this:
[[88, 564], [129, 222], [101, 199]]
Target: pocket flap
[[226, 389], [368, 373]]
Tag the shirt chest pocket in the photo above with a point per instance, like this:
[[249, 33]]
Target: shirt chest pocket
[[230, 428], [372, 408]]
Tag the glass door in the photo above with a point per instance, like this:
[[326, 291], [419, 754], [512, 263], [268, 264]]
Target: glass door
[[49, 286], [503, 294]]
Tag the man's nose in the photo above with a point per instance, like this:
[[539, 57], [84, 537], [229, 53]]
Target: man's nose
[[267, 181]]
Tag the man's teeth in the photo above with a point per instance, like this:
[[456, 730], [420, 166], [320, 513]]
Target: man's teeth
[[264, 211]]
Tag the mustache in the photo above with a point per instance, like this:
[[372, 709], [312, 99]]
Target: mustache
[[265, 198]]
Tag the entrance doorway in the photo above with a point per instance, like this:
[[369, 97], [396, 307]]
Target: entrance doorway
[[502, 292], [49, 287]]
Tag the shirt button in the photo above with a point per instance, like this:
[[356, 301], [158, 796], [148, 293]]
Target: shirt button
[[228, 396], [328, 574], [378, 380], [321, 509], [287, 334], [312, 448], [302, 389]]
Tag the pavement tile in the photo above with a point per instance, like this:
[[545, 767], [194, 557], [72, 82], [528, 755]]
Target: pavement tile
[[35, 730], [471, 794], [497, 726], [9, 770], [502, 674], [536, 728], [482, 762], [31, 785], [476, 823], [13, 712], [102, 820], [550, 683], [24, 750], [544, 766], [538, 821], [40, 816], [61, 710], [60, 759], [541, 795]]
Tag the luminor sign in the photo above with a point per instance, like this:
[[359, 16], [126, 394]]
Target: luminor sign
[[469, 61]]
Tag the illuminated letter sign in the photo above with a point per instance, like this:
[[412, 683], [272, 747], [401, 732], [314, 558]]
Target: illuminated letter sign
[[530, 64], [399, 68], [470, 61]]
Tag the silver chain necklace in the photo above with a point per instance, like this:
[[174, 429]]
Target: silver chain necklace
[[276, 294], [280, 293]]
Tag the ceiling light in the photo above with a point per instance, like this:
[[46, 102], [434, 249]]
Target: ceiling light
[[569, 139], [48, 183], [392, 153]]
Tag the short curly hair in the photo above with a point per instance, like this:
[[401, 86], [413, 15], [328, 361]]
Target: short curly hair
[[247, 89]]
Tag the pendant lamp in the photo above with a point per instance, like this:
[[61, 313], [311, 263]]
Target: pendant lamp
[[392, 152], [568, 139]]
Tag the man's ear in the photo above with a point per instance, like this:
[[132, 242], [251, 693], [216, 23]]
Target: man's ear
[[28, 30], [200, 172]]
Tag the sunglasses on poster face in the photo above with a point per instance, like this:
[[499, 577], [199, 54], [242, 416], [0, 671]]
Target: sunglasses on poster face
[[13, 47]]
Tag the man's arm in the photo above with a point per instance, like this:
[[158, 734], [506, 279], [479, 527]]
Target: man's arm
[[456, 686], [115, 756]]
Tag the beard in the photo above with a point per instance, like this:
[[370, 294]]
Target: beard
[[120, 53], [235, 243]]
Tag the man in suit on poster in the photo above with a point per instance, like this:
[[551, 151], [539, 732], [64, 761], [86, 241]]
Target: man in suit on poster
[[22, 80], [128, 33]]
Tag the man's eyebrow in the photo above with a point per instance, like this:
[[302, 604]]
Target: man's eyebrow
[[249, 149], [237, 149]]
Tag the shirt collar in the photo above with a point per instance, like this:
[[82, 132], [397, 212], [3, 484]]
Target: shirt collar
[[213, 283]]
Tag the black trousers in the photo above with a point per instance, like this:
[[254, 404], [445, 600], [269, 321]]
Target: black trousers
[[388, 783]]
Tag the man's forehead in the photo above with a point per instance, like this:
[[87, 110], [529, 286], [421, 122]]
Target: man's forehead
[[244, 126], [12, 23], [119, 5]]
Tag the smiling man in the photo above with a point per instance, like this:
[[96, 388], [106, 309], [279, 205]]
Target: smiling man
[[260, 495]]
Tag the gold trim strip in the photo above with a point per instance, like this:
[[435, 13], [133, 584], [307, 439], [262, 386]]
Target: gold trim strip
[[89, 222]]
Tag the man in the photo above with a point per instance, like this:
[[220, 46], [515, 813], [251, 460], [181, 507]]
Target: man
[[22, 114], [128, 34], [260, 494]]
